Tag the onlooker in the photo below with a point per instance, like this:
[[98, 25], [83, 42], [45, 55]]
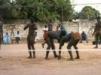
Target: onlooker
[[6, 39], [17, 37], [84, 37]]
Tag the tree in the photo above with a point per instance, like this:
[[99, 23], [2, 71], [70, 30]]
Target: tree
[[64, 9], [4, 8], [8, 10], [88, 13], [41, 10]]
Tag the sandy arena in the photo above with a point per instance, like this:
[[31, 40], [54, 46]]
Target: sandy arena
[[14, 61]]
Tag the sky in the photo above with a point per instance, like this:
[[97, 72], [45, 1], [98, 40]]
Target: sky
[[88, 3]]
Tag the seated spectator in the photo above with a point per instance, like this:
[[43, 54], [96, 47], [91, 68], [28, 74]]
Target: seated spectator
[[17, 37], [6, 39], [84, 37]]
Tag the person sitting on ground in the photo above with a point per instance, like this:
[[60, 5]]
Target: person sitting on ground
[[84, 37], [31, 37], [6, 39], [17, 37]]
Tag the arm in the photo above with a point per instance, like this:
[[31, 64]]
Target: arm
[[26, 27], [94, 31]]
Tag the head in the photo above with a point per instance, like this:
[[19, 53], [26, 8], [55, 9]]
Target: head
[[45, 26], [6, 33], [50, 21], [59, 25], [17, 32], [32, 20], [83, 32]]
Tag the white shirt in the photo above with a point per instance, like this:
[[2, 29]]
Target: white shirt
[[17, 35], [45, 29]]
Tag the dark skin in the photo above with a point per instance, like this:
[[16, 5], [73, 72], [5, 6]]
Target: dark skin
[[31, 26], [97, 31], [31, 38], [71, 42]]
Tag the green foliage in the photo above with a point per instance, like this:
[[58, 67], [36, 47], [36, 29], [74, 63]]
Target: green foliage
[[88, 13], [41, 10]]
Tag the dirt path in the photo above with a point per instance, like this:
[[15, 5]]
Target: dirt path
[[14, 61]]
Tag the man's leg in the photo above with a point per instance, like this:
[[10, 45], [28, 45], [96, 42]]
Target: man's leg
[[97, 41], [29, 48], [47, 53], [44, 43], [48, 48], [69, 50], [76, 48], [60, 47], [100, 38], [33, 50], [53, 48]]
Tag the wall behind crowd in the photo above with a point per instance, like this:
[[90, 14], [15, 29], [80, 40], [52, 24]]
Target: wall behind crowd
[[76, 26]]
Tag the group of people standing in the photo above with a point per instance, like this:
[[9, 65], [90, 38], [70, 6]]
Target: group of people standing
[[32, 34], [49, 27]]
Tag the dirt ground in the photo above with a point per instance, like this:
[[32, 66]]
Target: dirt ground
[[14, 61]]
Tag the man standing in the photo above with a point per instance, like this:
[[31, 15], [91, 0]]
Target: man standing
[[50, 41], [1, 31], [50, 26], [84, 37], [31, 37], [97, 31], [17, 37], [6, 38]]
